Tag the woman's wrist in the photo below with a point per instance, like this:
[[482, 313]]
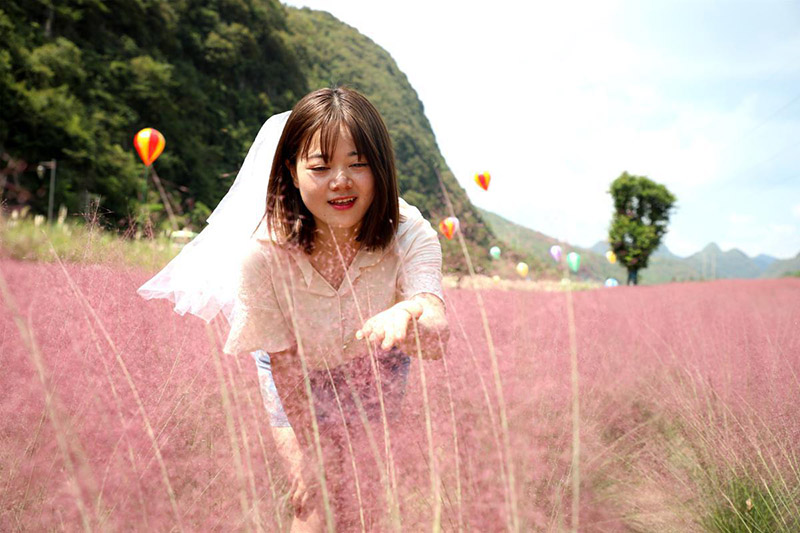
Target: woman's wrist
[[411, 307], [287, 445]]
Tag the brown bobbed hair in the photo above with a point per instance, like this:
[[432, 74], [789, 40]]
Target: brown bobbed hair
[[326, 111]]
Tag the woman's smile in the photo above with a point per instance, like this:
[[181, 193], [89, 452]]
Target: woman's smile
[[345, 202]]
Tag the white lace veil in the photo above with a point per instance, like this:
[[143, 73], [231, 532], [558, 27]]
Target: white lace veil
[[202, 278]]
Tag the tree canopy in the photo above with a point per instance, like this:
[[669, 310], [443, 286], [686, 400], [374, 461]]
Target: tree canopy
[[641, 215], [79, 78]]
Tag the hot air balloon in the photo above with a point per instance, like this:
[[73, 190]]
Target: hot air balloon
[[494, 251], [522, 269], [149, 143], [611, 256], [483, 180], [611, 282], [555, 252], [574, 261], [449, 226]]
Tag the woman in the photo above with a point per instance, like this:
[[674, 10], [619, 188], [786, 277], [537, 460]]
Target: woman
[[331, 291]]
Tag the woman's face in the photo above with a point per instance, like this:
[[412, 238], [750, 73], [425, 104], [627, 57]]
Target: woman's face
[[338, 193]]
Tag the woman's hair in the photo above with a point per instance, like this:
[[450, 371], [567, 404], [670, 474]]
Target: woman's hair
[[326, 111]]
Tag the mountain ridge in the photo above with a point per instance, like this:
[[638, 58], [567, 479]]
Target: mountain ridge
[[711, 262]]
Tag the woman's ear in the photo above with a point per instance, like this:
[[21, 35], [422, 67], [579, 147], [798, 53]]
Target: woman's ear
[[293, 172]]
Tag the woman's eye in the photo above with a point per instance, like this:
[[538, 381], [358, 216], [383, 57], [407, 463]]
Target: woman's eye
[[318, 169], [360, 165]]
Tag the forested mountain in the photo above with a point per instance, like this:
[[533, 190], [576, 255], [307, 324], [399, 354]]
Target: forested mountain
[[78, 79]]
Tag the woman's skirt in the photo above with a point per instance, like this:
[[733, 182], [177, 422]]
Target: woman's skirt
[[352, 427], [350, 394]]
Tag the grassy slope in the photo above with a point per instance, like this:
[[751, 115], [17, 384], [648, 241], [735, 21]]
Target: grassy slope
[[593, 265], [783, 267], [710, 263]]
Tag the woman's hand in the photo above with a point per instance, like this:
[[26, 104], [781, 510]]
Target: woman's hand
[[390, 327], [303, 485], [300, 471]]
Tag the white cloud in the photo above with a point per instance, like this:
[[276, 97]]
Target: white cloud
[[782, 229], [736, 218], [796, 210]]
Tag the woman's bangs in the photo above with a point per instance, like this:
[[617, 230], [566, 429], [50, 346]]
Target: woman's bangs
[[329, 128]]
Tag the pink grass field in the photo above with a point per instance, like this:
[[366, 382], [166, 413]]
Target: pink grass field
[[684, 389]]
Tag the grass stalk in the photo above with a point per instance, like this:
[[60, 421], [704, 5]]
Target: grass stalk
[[436, 526], [493, 424], [576, 419], [217, 329], [394, 500], [326, 502], [52, 412], [140, 406], [456, 452], [248, 464], [229, 423], [514, 518], [350, 449]]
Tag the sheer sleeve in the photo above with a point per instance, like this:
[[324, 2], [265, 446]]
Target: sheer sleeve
[[421, 266], [257, 322], [269, 394]]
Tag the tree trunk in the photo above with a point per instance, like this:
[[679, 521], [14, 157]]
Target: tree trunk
[[48, 25]]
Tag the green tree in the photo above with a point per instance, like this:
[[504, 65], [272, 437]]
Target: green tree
[[641, 214]]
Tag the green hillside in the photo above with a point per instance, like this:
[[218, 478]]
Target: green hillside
[[664, 266], [783, 267], [79, 79], [535, 246]]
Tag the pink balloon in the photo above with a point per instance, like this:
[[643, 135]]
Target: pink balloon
[[555, 252]]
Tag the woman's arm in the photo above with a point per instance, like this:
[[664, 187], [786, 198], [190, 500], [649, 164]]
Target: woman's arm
[[298, 468], [395, 327], [269, 394]]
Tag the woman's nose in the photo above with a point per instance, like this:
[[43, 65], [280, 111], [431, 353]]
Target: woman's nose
[[341, 180]]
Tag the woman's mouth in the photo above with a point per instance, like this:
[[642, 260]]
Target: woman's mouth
[[343, 203]]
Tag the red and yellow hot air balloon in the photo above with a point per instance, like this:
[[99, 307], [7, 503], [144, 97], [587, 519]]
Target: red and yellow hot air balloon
[[149, 143], [483, 180], [449, 226]]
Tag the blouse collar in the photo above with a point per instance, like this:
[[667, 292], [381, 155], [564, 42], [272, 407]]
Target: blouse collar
[[315, 283]]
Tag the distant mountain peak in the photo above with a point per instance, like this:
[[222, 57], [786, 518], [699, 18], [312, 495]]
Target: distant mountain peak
[[763, 261], [600, 247]]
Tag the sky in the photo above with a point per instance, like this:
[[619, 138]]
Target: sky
[[557, 99]]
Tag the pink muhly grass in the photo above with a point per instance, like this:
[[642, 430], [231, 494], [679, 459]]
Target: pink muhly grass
[[686, 389]]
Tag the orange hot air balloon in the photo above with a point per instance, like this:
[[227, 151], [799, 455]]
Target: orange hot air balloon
[[483, 180], [149, 143], [448, 227]]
